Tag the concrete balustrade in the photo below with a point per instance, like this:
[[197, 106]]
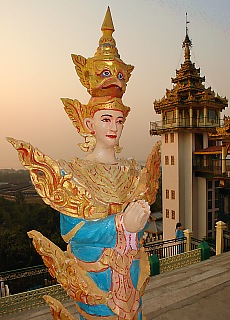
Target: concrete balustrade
[[188, 235], [220, 227]]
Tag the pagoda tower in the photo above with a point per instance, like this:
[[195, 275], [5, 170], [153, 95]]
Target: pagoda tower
[[189, 112]]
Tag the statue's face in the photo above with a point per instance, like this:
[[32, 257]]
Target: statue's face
[[107, 125], [107, 78]]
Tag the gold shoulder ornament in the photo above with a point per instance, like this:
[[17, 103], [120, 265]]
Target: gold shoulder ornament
[[56, 190]]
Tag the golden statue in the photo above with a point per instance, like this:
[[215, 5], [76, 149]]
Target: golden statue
[[103, 201]]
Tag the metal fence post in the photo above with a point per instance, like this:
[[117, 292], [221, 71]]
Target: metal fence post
[[220, 227], [188, 235]]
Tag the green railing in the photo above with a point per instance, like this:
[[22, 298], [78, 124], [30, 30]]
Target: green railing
[[180, 260], [165, 248], [30, 299], [27, 279]]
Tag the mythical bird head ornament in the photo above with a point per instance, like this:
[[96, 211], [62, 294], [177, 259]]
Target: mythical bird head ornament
[[105, 76]]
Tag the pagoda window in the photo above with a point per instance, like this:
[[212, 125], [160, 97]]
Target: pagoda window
[[184, 97], [170, 117], [172, 137], [167, 213], [167, 193], [199, 141], [201, 117], [166, 138], [212, 115], [185, 82]]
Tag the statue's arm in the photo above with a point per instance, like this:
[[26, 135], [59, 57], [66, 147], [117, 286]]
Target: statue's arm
[[104, 231]]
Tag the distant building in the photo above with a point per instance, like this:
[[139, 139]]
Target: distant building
[[154, 230], [190, 113]]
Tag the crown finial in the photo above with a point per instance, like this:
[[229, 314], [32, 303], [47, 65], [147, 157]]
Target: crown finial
[[108, 22], [107, 44]]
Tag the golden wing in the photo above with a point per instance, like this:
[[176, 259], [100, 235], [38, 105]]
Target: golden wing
[[63, 266], [57, 310], [80, 64], [60, 192], [153, 173]]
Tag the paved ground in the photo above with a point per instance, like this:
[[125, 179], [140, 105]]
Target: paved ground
[[200, 291], [214, 306]]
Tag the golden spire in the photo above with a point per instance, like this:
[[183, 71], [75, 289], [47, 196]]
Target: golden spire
[[107, 44], [187, 43], [108, 21]]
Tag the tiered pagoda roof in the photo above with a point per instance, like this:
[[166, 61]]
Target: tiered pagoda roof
[[189, 90]]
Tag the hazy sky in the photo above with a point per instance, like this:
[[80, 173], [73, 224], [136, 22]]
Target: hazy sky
[[36, 70]]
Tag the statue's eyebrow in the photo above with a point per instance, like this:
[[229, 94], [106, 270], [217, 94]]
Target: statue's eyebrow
[[106, 115], [109, 115]]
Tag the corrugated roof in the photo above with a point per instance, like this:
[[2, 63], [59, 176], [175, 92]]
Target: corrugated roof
[[210, 150]]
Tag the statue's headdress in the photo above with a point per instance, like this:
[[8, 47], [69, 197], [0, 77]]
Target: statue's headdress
[[106, 58], [105, 76]]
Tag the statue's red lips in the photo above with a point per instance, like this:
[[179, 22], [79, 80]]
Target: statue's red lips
[[112, 136]]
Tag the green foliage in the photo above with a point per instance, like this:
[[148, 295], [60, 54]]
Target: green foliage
[[14, 176], [16, 219]]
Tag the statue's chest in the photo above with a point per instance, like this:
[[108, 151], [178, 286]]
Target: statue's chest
[[106, 183]]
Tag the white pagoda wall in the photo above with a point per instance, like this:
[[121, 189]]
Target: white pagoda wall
[[190, 200]]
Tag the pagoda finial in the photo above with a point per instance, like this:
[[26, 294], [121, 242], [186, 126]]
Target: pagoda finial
[[186, 23], [187, 43]]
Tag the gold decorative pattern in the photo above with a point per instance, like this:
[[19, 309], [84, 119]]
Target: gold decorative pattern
[[60, 192], [180, 260], [57, 310], [222, 133], [153, 173], [122, 287], [77, 284], [144, 271], [107, 183], [30, 299]]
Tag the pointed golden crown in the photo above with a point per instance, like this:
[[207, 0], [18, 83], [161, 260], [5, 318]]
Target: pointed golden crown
[[105, 58]]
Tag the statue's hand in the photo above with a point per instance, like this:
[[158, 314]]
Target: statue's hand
[[136, 216]]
